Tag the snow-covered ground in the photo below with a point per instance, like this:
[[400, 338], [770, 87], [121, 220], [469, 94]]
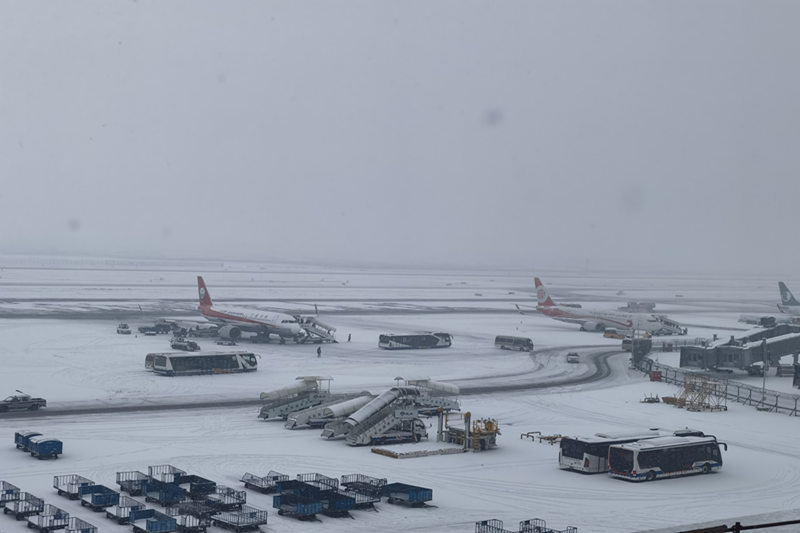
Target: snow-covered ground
[[73, 357]]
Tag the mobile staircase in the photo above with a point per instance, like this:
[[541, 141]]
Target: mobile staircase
[[308, 392], [316, 331], [339, 408]]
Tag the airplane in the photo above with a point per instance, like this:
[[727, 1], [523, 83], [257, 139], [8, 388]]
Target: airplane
[[234, 320], [788, 303], [594, 320]]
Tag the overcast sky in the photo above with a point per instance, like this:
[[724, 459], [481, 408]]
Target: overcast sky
[[653, 134]]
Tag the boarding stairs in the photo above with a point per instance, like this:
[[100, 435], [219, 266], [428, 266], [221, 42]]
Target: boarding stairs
[[282, 407], [316, 330], [383, 422], [311, 415]]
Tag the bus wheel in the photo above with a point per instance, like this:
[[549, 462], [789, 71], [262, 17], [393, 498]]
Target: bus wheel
[[706, 468], [651, 476]]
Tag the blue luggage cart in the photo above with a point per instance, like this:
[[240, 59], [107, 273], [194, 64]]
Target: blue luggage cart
[[22, 438], [152, 521], [43, 447], [165, 494], [297, 505], [98, 497], [407, 494]]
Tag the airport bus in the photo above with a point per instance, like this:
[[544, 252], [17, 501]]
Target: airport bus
[[187, 364], [421, 340], [590, 454], [651, 459], [522, 344]]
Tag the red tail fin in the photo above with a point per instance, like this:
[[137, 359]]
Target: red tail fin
[[205, 297], [541, 294]]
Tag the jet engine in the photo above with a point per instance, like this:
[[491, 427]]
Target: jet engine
[[230, 332], [592, 326]]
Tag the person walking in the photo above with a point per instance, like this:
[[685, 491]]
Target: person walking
[[348, 337], [319, 351]]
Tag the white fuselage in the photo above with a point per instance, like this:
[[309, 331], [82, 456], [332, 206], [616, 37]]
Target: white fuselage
[[598, 320], [281, 324]]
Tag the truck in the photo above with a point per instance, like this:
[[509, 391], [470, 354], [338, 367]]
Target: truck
[[21, 402]]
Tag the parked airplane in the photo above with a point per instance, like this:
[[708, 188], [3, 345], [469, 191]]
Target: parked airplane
[[788, 303], [593, 320], [234, 320]]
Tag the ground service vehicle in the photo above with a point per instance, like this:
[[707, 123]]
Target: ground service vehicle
[[573, 357], [611, 333], [651, 459], [180, 364], [590, 454], [123, 329], [22, 402], [522, 344], [179, 343], [414, 341]]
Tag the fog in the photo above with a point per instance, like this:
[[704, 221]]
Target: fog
[[560, 134]]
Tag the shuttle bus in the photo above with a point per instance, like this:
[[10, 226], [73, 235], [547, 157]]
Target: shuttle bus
[[651, 459], [522, 344], [590, 454], [187, 364], [421, 340]]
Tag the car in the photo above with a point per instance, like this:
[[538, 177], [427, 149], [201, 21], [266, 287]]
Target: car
[[573, 357], [179, 343], [22, 402], [226, 342]]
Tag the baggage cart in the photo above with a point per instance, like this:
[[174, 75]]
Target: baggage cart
[[131, 482], [68, 485], [363, 484], [196, 486], [50, 519], [492, 525], [26, 505], [323, 482], [165, 494], [407, 494], [8, 492], [121, 511], [76, 525], [227, 499], [152, 521], [97, 497], [189, 523], [245, 519], [297, 505], [43, 447], [193, 508], [165, 473], [361, 500], [336, 504], [265, 484], [22, 438]]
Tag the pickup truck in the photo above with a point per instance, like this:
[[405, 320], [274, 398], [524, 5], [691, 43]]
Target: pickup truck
[[22, 402]]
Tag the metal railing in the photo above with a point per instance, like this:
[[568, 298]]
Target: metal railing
[[762, 399]]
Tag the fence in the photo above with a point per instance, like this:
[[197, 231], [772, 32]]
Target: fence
[[762, 399]]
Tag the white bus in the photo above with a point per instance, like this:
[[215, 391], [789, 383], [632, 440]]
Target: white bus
[[590, 454], [522, 344], [665, 457], [186, 364], [414, 341]]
